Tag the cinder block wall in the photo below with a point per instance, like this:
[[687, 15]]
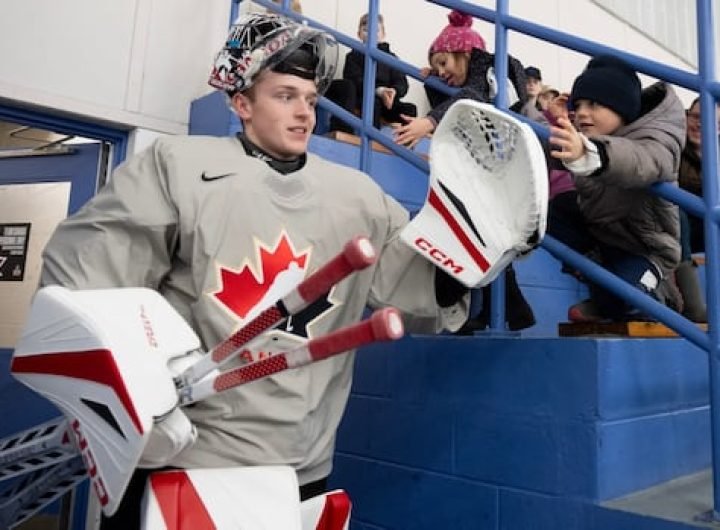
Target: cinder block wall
[[455, 432]]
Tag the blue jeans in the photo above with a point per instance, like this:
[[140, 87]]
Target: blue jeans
[[567, 224]]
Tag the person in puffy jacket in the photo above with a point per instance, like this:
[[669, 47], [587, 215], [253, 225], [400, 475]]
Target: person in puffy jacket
[[621, 140]]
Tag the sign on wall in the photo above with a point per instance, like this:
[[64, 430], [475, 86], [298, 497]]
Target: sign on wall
[[13, 251], [29, 214]]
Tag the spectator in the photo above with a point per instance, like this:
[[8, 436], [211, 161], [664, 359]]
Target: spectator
[[390, 85], [533, 84], [623, 140], [458, 55], [546, 96], [561, 185], [342, 93], [692, 230]]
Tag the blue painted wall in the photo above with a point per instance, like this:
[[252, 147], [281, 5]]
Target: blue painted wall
[[444, 432]]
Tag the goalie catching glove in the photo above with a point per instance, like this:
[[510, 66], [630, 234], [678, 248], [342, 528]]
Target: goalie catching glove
[[488, 194]]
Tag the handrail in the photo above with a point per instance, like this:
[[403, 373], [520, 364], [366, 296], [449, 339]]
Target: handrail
[[709, 129], [704, 82]]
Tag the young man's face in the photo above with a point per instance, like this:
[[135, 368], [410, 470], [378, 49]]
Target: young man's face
[[451, 67], [363, 31], [278, 113], [533, 86], [593, 119]]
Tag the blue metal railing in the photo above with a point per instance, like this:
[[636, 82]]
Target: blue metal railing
[[708, 207]]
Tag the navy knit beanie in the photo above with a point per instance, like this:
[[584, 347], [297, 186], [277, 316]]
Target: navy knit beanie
[[611, 82]]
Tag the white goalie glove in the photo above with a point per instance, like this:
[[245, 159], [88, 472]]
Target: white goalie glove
[[488, 194]]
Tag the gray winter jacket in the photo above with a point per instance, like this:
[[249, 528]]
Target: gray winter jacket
[[615, 200]]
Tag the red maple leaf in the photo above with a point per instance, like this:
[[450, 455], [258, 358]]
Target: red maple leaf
[[241, 291]]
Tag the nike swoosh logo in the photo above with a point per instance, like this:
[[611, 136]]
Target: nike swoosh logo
[[208, 178]]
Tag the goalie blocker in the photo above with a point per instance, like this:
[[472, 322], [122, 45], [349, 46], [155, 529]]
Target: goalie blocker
[[488, 194]]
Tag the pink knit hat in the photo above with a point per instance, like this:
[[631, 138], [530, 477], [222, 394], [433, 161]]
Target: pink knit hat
[[457, 36]]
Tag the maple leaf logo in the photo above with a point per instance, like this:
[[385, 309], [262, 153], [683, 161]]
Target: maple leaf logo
[[251, 289]]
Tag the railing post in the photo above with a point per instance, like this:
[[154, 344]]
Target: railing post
[[498, 287], [709, 131], [368, 102]]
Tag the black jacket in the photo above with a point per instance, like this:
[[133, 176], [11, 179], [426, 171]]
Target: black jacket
[[385, 76]]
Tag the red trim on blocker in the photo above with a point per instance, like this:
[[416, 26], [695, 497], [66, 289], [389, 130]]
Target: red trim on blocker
[[181, 506], [90, 365], [437, 203], [335, 512]]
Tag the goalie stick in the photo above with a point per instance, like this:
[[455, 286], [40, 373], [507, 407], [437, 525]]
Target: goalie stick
[[383, 325], [357, 255]]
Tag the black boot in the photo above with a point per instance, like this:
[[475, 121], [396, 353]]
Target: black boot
[[518, 313], [480, 321]]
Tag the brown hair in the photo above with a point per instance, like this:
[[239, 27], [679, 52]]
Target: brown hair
[[364, 20], [294, 5]]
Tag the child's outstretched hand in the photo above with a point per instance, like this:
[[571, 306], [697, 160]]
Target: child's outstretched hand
[[557, 108], [413, 130], [565, 141], [426, 71]]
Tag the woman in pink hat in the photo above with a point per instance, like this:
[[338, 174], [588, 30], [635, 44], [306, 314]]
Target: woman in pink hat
[[458, 56]]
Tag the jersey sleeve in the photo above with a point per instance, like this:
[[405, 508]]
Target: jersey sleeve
[[123, 237], [406, 280]]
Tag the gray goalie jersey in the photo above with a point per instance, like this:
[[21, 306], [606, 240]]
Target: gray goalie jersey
[[222, 235]]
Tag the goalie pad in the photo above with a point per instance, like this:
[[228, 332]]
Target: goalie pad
[[251, 498], [488, 194], [101, 356]]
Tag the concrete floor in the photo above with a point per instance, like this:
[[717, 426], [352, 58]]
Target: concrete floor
[[686, 500]]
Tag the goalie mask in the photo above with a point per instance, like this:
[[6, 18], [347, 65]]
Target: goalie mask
[[259, 41], [487, 202]]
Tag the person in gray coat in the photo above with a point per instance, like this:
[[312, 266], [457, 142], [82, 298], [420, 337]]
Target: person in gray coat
[[621, 141]]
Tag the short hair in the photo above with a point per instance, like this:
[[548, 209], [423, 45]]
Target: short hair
[[364, 19]]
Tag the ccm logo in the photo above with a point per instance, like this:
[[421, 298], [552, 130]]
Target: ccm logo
[[90, 465], [438, 255]]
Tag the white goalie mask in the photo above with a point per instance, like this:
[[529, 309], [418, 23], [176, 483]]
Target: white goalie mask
[[488, 194], [262, 41]]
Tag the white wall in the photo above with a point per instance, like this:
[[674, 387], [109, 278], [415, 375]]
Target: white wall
[[139, 63], [413, 24]]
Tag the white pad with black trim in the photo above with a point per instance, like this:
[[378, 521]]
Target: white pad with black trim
[[488, 195]]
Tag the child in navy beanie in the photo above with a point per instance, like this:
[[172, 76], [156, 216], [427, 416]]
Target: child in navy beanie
[[611, 82], [621, 140]]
